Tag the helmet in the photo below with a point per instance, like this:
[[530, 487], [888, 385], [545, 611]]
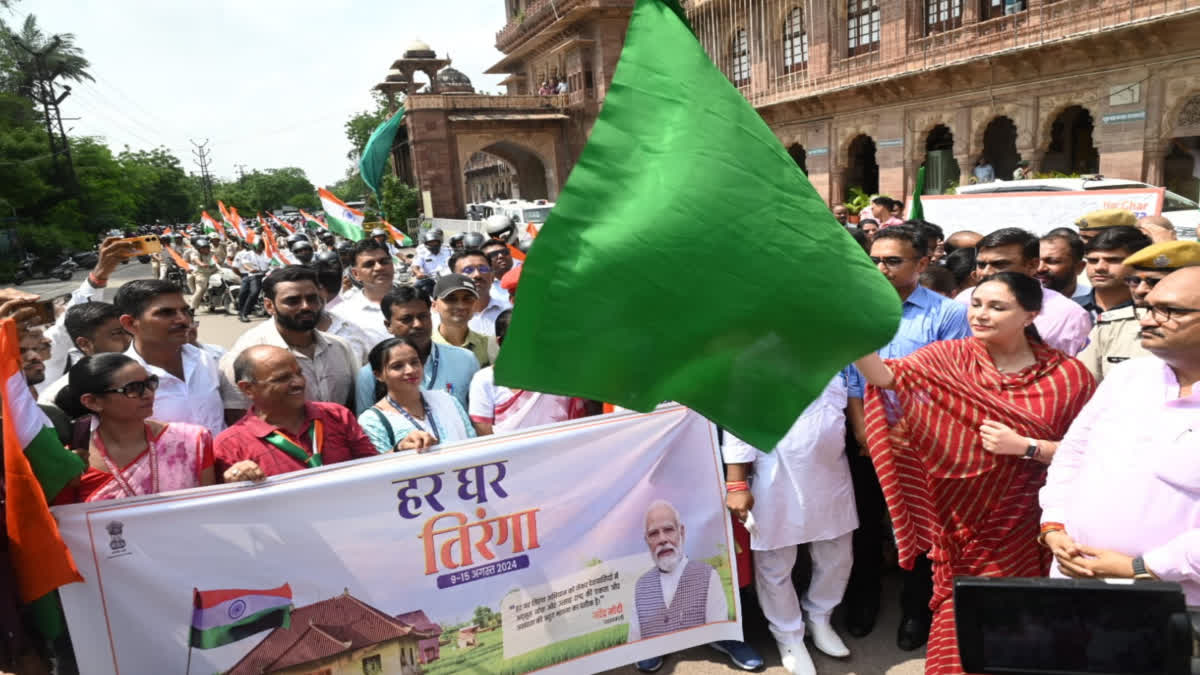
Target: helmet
[[456, 238], [378, 232], [474, 240], [497, 223], [325, 235], [345, 248], [201, 242], [328, 258], [300, 245], [440, 235], [432, 235]]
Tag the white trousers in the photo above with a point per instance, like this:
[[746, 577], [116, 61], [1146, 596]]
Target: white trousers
[[831, 561]]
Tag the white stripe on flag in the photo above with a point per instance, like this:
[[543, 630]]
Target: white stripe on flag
[[29, 418], [235, 609]]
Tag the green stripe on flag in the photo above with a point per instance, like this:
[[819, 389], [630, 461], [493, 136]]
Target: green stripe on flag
[[54, 465], [277, 617], [345, 228]]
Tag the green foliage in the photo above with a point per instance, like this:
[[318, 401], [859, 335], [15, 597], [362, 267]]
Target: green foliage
[[18, 71], [267, 190], [858, 200], [351, 188], [159, 186], [399, 202], [361, 125], [1056, 174], [488, 655]]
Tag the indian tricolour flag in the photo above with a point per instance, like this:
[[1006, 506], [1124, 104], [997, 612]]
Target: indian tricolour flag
[[36, 468], [211, 226], [222, 616], [341, 219]]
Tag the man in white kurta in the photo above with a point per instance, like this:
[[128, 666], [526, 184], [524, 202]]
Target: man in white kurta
[[800, 493]]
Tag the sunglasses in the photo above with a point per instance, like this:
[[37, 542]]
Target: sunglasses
[[135, 389], [1134, 281], [890, 261], [471, 269]]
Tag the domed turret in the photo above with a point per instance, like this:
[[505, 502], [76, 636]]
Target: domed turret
[[451, 80]]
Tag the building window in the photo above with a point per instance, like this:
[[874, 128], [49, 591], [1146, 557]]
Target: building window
[[795, 42], [991, 9], [373, 665], [942, 15], [862, 26], [740, 66]]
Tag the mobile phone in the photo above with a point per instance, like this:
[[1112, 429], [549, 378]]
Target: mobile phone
[[44, 312], [147, 245]]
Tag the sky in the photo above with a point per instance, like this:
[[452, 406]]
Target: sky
[[270, 83]]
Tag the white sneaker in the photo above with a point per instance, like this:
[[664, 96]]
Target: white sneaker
[[826, 639], [796, 659]]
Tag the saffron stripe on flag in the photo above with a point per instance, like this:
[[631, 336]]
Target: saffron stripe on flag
[[206, 599]]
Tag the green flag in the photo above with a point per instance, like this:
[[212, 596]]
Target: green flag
[[374, 157], [689, 259], [916, 211]]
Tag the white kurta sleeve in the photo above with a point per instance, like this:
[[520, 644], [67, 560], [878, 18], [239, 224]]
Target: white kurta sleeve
[[716, 609], [737, 451], [635, 628]]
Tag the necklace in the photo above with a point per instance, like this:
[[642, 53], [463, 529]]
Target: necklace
[[119, 475]]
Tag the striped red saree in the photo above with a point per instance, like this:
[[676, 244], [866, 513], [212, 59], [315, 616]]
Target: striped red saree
[[976, 513]]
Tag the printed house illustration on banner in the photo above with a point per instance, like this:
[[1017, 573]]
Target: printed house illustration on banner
[[345, 636]]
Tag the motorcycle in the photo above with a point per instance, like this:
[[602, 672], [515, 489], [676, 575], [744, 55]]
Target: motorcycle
[[222, 291], [65, 269], [176, 275]]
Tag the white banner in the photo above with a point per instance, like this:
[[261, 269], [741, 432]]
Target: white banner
[[541, 550], [1037, 212]]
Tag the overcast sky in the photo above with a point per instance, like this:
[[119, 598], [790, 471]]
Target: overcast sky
[[269, 82]]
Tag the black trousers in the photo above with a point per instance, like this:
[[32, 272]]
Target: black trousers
[[865, 586]]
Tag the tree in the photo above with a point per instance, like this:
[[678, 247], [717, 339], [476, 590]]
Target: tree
[[399, 202], [160, 186], [62, 58], [361, 125], [351, 188]]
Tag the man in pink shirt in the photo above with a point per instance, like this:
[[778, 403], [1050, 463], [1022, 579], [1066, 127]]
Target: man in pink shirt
[[1122, 497], [1062, 323]]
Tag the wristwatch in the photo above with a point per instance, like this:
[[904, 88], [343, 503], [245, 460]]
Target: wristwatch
[[1139, 569], [1031, 450]]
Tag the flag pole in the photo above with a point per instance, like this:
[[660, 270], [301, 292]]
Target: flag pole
[[188, 670]]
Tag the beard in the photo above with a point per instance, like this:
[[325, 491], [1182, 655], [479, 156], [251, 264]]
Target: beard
[[667, 563], [298, 323]]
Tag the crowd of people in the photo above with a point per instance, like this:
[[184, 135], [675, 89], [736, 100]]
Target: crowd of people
[[1022, 421]]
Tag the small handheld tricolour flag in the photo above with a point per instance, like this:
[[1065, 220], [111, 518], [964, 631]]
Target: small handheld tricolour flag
[[340, 218], [222, 616]]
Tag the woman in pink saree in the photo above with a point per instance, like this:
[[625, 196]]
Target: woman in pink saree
[[130, 455]]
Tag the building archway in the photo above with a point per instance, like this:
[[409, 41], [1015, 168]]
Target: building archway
[[862, 170], [531, 180], [941, 168], [1000, 146], [1071, 148], [799, 155]]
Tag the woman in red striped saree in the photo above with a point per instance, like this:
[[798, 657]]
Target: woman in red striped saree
[[951, 455]]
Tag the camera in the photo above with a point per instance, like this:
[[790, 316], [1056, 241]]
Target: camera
[[1068, 626]]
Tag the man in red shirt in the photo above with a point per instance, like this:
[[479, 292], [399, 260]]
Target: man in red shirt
[[282, 432]]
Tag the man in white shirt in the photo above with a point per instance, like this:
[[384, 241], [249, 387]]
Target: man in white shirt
[[677, 593], [94, 328], [329, 285], [474, 264], [373, 269], [431, 256], [252, 265], [328, 362], [156, 315]]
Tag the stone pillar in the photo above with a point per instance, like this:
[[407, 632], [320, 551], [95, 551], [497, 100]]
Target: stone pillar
[[1155, 169]]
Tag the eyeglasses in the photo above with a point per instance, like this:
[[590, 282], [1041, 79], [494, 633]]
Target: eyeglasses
[[890, 261], [135, 389], [1135, 281], [1163, 314], [471, 269]]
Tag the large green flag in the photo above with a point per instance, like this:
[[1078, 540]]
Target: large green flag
[[688, 258], [916, 211], [375, 153]]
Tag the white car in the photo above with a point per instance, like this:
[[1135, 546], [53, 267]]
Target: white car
[[1183, 213]]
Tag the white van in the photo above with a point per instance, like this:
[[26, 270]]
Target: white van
[[528, 214], [1183, 213]]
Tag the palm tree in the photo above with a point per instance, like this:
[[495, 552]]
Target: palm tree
[[62, 58]]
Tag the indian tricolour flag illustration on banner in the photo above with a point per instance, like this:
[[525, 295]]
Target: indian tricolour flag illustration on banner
[[223, 616], [341, 219]]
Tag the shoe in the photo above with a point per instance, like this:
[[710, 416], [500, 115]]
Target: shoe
[[796, 659], [913, 633], [650, 665], [741, 654], [243, 319], [826, 639], [860, 619]]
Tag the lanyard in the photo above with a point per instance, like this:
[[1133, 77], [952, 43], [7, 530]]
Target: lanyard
[[316, 437], [119, 475], [432, 430], [433, 365]]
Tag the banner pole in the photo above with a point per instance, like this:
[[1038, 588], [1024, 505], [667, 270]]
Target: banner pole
[[188, 670]]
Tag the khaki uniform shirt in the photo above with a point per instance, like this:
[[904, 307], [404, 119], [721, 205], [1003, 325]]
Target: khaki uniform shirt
[[1113, 339]]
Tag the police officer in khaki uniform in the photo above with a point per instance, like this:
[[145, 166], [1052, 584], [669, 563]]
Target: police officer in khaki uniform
[[1115, 338], [1095, 222]]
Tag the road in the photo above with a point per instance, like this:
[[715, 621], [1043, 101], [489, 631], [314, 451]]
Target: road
[[874, 655]]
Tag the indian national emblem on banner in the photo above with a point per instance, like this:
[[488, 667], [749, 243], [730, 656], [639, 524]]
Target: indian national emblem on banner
[[116, 543]]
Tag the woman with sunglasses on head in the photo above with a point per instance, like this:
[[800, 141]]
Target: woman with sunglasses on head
[[129, 454], [409, 417]]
